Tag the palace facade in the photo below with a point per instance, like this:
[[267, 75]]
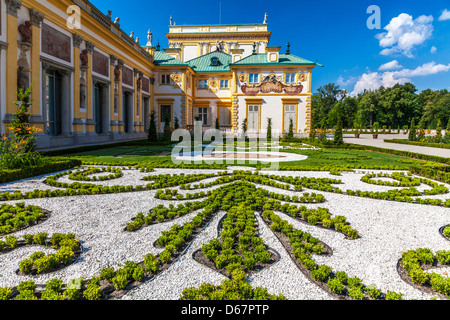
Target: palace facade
[[92, 83]]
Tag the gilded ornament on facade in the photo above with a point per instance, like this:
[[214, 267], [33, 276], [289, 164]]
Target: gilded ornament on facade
[[242, 77], [302, 77], [176, 78]]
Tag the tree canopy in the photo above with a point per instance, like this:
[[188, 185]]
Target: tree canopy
[[393, 107]]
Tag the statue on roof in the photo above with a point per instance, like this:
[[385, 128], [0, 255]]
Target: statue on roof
[[149, 38], [171, 20], [219, 46], [266, 16]]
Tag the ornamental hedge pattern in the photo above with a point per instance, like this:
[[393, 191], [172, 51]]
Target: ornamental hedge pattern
[[237, 252]]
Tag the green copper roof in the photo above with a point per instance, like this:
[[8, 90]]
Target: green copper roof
[[163, 59], [261, 59], [205, 63]]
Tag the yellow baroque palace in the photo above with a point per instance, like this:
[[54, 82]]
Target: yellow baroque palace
[[93, 83]]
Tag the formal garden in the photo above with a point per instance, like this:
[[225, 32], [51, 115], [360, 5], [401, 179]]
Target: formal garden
[[342, 222]]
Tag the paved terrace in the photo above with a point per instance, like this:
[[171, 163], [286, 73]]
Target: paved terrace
[[366, 139]]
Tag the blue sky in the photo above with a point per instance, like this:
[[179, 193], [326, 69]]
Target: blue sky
[[333, 32]]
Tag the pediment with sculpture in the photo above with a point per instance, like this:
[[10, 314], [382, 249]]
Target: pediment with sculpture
[[271, 84]]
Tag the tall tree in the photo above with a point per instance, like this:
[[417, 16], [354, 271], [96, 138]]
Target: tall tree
[[324, 101]]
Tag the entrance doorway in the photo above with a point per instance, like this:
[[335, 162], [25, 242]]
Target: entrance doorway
[[253, 118], [54, 105]]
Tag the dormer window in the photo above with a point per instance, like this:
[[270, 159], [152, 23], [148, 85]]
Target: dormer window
[[215, 62]]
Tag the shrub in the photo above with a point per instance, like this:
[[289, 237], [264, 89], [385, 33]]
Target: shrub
[[28, 285], [93, 291], [138, 273], [321, 273], [335, 285], [51, 295], [5, 293], [107, 273], [443, 256], [356, 293], [354, 282], [391, 295], [71, 294], [342, 276], [26, 295], [373, 291], [26, 265]]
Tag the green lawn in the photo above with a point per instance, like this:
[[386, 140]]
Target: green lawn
[[316, 158], [352, 158]]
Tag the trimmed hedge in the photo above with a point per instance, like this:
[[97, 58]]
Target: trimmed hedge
[[67, 151], [439, 173], [418, 143], [349, 146], [50, 165]]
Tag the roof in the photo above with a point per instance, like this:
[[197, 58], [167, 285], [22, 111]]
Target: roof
[[163, 59], [218, 25], [204, 63], [261, 59]]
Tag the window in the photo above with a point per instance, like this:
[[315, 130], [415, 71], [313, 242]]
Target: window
[[202, 84], [224, 84], [165, 79], [253, 118], [203, 115], [289, 115], [224, 116], [253, 78], [290, 77], [215, 62], [165, 114]]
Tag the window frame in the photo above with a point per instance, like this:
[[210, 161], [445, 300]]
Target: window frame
[[166, 78], [251, 78], [202, 81], [227, 82], [290, 77]]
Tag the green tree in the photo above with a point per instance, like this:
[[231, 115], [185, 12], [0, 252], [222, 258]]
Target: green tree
[[438, 137], [18, 150], [412, 131], [217, 125], [291, 129], [323, 102], [269, 129], [338, 139], [244, 127], [167, 133], [152, 131]]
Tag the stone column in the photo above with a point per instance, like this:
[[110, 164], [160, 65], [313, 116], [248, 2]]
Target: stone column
[[36, 19], [12, 7], [120, 63], [79, 88], [3, 47], [66, 112], [89, 88], [113, 93]]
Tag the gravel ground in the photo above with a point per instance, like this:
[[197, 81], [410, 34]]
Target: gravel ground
[[387, 229]]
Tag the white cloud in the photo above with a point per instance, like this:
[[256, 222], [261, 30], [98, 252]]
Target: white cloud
[[374, 80], [424, 70], [390, 66], [404, 33], [433, 49], [445, 15], [343, 83]]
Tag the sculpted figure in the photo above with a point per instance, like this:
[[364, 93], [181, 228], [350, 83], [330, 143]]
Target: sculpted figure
[[26, 32]]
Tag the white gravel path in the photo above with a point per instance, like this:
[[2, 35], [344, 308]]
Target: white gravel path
[[387, 229]]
